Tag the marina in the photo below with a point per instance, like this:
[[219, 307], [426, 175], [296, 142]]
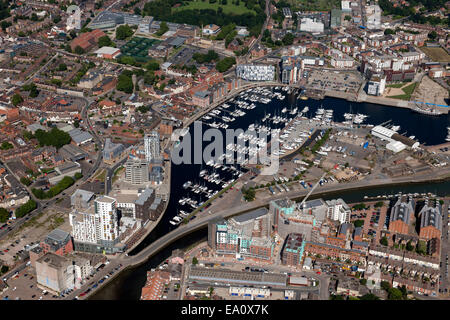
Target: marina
[[268, 118]]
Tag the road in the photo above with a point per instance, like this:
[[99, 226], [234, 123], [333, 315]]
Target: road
[[445, 249]]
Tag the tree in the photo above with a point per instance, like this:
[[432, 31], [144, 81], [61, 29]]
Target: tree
[[152, 65], [79, 50], [125, 83], [432, 35], [104, 41], [163, 28], [225, 64], [16, 99], [363, 281], [78, 175], [385, 285], [358, 223], [389, 31], [379, 204], [123, 32], [347, 18], [288, 39], [62, 67], [384, 241], [369, 296], [54, 137], [395, 294], [194, 261], [249, 194], [127, 60], [4, 215], [25, 181], [409, 246], [4, 269], [6, 145], [29, 206]]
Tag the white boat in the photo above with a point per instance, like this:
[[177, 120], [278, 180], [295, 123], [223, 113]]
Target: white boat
[[187, 184]]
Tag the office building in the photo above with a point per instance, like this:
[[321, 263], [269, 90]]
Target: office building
[[136, 171], [311, 25]]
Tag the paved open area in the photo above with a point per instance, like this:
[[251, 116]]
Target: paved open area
[[431, 92], [334, 80]]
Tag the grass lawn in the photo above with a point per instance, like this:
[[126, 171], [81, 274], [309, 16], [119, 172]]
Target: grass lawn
[[229, 8], [408, 90], [395, 85], [317, 5], [436, 54]]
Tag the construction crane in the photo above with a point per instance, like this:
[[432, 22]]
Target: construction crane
[[311, 191]]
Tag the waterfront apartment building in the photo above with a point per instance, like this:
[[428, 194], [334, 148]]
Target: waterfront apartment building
[[136, 171], [338, 210], [293, 248], [401, 215], [256, 72], [151, 146], [430, 222], [96, 229], [376, 85], [291, 69], [246, 235]]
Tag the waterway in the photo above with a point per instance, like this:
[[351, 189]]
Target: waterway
[[429, 130]]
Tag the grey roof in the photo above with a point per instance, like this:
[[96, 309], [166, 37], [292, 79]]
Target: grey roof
[[250, 215], [144, 196], [72, 152], [178, 41], [402, 211], [155, 204], [231, 276], [313, 203], [112, 148], [80, 136], [358, 231], [58, 235], [345, 227], [431, 216], [85, 195], [361, 243], [35, 126], [202, 94]]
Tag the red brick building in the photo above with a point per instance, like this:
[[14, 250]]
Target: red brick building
[[154, 287], [87, 40]]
